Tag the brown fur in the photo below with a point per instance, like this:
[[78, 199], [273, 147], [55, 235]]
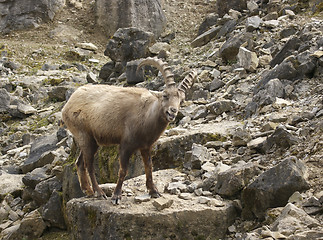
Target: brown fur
[[134, 118]]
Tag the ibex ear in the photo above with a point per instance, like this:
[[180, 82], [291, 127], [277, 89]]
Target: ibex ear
[[187, 82]]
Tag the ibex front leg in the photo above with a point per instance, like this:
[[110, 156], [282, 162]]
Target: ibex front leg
[[145, 153], [124, 162]]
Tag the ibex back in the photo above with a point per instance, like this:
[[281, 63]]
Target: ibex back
[[134, 118]]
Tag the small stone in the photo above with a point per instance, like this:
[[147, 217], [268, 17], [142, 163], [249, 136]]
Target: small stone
[[178, 179], [290, 13], [176, 187], [269, 126], [91, 77], [252, 5], [5, 225], [185, 196], [216, 203], [13, 216], [93, 60], [271, 23], [208, 167], [142, 198], [253, 23], [247, 59], [87, 46], [108, 188], [232, 229], [162, 203], [221, 167], [280, 102], [274, 235], [3, 215], [256, 143], [198, 192], [26, 109], [265, 60], [206, 193], [204, 200], [296, 198], [317, 54], [159, 46]]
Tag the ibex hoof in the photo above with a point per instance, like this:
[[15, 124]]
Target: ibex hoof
[[155, 195], [116, 199], [102, 196], [88, 193]]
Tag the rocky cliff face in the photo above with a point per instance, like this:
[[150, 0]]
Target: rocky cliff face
[[246, 145], [18, 15]]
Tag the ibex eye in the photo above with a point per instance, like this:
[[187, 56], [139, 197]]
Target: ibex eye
[[166, 97]]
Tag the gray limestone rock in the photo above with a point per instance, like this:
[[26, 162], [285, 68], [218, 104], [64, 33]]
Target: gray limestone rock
[[294, 219], [31, 227], [133, 76], [144, 14], [221, 106], [285, 70], [52, 211], [92, 218], [70, 184], [233, 180], [129, 44], [22, 14], [4, 100], [209, 21], [34, 177], [44, 190], [10, 184], [273, 188], [281, 138], [205, 37], [39, 147], [253, 23], [247, 59], [240, 137], [223, 6], [272, 90], [230, 49], [292, 45]]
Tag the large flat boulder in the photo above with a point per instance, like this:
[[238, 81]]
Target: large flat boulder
[[169, 151], [181, 219], [144, 14]]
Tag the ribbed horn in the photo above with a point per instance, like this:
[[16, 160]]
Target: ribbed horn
[[162, 67], [187, 81]]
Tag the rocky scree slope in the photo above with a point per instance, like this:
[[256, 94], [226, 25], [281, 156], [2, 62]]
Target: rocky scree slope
[[249, 138]]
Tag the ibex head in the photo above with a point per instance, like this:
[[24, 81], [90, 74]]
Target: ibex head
[[172, 96]]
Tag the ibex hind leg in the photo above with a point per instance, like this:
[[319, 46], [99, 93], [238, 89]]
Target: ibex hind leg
[[89, 162], [83, 176]]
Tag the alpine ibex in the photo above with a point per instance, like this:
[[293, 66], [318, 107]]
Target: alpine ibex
[[134, 118]]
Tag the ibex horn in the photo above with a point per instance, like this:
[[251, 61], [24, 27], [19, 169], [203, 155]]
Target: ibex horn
[[187, 81], [162, 67]]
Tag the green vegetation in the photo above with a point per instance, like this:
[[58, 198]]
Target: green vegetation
[[216, 137], [108, 160], [55, 235], [91, 214], [53, 81]]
